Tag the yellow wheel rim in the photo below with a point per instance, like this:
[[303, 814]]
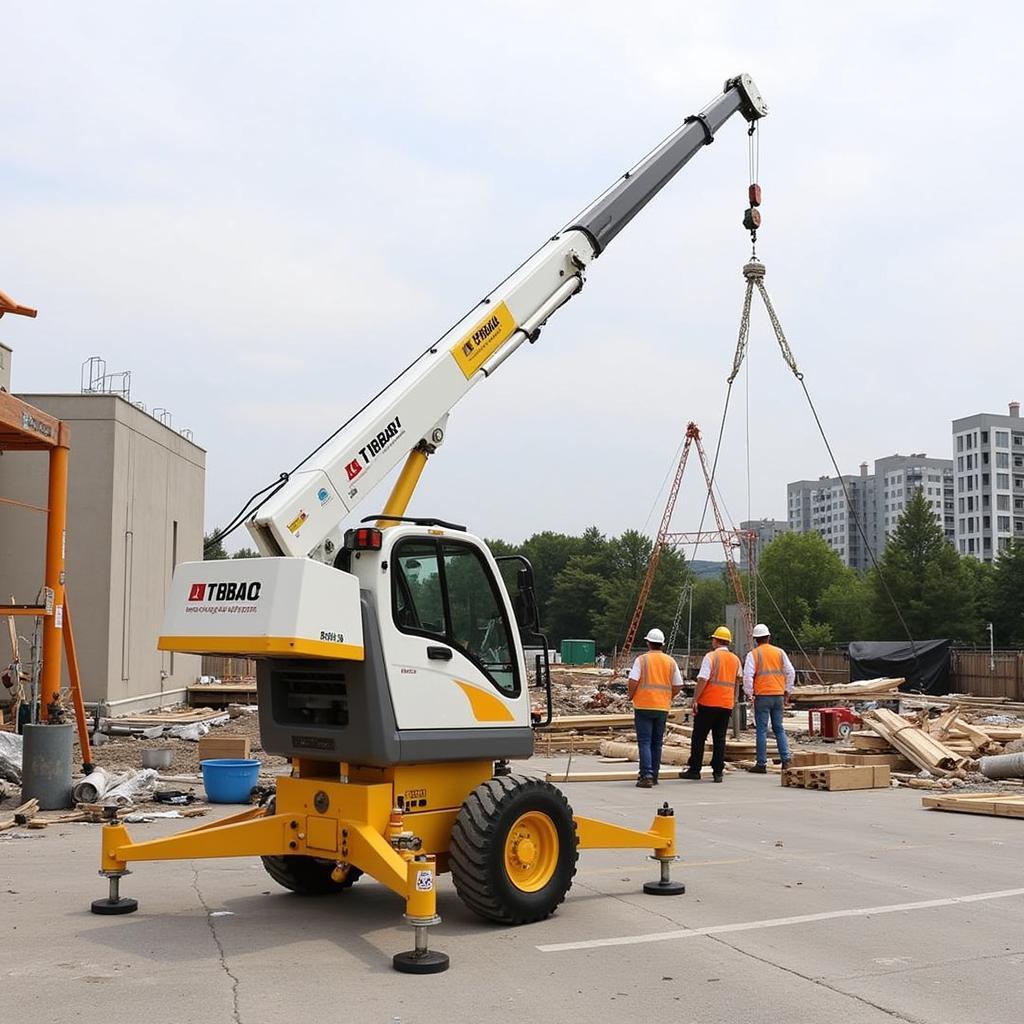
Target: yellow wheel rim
[[531, 851]]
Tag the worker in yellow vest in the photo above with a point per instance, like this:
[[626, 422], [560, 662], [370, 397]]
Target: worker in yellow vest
[[654, 680], [713, 702], [768, 677]]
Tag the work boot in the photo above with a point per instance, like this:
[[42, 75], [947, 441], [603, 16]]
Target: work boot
[[693, 776], [716, 778], [786, 764], [645, 783], [759, 769]]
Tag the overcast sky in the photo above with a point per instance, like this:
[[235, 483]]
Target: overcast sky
[[265, 210]]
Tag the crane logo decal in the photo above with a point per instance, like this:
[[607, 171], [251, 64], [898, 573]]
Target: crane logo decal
[[472, 350], [374, 446]]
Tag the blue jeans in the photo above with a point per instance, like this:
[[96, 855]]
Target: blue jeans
[[765, 708], [650, 731]]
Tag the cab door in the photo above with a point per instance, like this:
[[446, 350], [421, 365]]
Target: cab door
[[454, 660]]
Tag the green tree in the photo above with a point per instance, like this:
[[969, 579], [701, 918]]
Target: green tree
[[575, 600], [1006, 610], [794, 573], [922, 575], [845, 606], [814, 634], [246, 553], [981, 577], [213, 546]]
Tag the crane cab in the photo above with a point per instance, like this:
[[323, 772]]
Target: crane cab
[[407, 650]]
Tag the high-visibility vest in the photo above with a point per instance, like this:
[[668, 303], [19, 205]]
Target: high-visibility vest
[[720, 689], [769, 674], [654, 691]]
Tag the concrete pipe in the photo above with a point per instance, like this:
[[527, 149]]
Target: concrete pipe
[[1003, 766]]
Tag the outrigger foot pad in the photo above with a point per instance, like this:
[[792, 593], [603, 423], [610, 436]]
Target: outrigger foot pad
[[664, 888], [124, 905], [428, 961]]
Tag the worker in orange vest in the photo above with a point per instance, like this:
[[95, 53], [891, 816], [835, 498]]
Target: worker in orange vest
[[654, 680], [768, 677], [713, 701]]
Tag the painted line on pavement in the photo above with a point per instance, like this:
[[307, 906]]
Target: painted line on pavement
[[778, 922]]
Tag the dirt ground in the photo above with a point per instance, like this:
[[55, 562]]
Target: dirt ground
[[120, 753]]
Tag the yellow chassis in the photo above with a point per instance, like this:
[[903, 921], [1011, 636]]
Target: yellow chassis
[[359, 823]]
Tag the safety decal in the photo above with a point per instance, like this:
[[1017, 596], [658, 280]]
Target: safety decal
[[476, 347], [424, 881]]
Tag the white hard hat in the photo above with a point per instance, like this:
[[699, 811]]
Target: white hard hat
[[761, 630], [655, 636]]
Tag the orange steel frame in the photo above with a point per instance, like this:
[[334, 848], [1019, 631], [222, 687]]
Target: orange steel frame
[[25, 428]]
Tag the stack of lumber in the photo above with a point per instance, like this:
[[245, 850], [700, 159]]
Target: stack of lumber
[[917, 745], [968, 702], [868, 689], [838, 777], [1002, 805], [676, 748], [584, 734]]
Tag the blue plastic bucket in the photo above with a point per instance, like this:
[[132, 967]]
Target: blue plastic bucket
[[229, 781]]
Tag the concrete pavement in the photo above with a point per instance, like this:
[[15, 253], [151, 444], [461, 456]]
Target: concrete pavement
[[218, 941]]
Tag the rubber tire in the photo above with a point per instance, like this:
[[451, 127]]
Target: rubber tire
[[125, 905], [477, 849], [307, 876]]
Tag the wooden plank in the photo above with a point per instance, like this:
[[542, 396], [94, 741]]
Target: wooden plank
[[624, 776], [1001, 805]]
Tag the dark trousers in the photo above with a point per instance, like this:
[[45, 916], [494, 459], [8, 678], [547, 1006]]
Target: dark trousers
[[650, 732], [714, 721]]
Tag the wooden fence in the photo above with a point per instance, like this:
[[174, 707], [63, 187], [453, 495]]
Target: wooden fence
[[229, 669], [998, 675]]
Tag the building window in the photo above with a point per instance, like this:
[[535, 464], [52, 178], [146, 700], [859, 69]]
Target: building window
[[1002, 439], [984, 437], [1003, 502], [959, 442], [1003, 522], [1002, 460], [1003, 480], [1004, 543], [961, 503]]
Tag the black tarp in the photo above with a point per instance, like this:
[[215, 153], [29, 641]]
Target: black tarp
[[925, 665]]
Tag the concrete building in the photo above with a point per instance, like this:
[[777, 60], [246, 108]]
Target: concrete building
[[898, 477], [821, 505], [135, 509], [766, 530], [988, 451], [5, 367], [878, 499]]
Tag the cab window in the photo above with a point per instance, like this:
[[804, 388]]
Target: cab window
[[445, 589]]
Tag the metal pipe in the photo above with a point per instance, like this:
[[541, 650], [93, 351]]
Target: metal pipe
[[405, 485], [56, 531]]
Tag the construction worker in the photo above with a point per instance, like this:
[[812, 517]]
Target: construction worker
[[654, 680], [713, 701], [768, 677]]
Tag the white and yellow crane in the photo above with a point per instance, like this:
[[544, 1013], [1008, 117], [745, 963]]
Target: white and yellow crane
[[390, 657]]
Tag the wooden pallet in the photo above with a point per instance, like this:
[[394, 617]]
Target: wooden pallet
[[838, 777], [222, 694], [1000, 805]]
